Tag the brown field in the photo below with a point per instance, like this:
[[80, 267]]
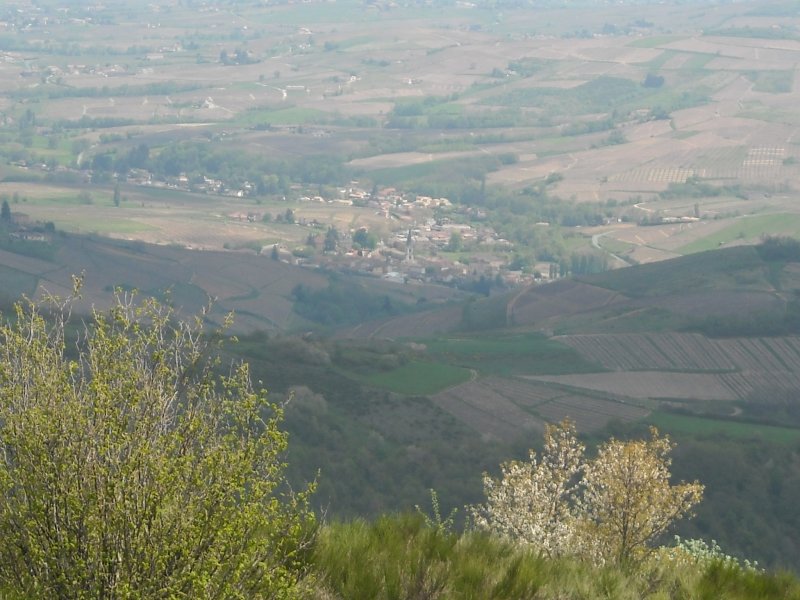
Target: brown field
[[521, 392], [256, 286], [25, 264], [506, 407], [647, 384], [590, 414], [537, 303], [554, 405], [202, 221], [717, 303], [652, 351], [489, 413], [742, 366]]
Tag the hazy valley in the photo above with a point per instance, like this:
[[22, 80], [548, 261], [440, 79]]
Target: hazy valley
[[440, 226]]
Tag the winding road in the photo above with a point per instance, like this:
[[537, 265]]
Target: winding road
[[596, 243]]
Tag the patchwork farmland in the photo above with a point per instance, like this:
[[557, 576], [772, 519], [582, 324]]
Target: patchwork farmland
[[742, 366], [644, 371], [509, 408]]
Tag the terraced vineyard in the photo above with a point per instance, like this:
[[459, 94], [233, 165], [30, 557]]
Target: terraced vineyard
[[588, 413], [558, 299], [486, 410], [743, 365], [507, 408], [644, 385], [652, 351]]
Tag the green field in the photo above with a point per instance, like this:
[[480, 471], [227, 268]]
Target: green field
[[596, 96], [658, 62], [748, 229], [418, 378], [771, 82], [526, 353], [101, 225], [616, 246], [757, 110], [697, 61], [702, 271], [284, 116], [348, 13], [655, 41], [674, 423], [437, 171]]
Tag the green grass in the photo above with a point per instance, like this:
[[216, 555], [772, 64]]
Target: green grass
[[603, 94], [527, 353], [671, 99], [719, 269], [165, 195], [65, 198], [418, 378], [342, 12], [282, 116], [675, 423], [659, 61], [390, 175], [61, 152], [749, 229], [353, 42], [655, 41], [447, 146], [616, 246], [435, 171], [606, 95], [697, 61], [771, 82], [101, 225], [768, 33], [762, 112], [50, 199], [447, 108], [398, 557]]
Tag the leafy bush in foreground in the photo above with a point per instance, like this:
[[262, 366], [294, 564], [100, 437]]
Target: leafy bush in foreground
[[132, 471]]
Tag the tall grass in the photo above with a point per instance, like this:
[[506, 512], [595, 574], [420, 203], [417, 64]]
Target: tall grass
[[400, 558]]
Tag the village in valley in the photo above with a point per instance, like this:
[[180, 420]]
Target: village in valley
[[422, 242], [410, 238]]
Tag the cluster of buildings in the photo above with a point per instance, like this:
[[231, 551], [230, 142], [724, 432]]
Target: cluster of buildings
[[418, 247], [420, 241]]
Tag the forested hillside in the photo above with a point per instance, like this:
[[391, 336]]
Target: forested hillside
[[385, 420]]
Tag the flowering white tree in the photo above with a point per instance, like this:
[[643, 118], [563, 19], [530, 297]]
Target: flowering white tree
[[534, 502], [609, 509]]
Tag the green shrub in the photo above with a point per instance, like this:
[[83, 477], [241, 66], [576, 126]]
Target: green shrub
[[130, 470]]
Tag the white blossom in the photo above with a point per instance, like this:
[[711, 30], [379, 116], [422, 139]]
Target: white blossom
[[610, 508]]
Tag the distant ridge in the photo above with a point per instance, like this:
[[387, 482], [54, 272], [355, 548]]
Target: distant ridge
[[675, 294]]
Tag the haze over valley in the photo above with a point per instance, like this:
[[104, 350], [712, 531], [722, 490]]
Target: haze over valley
[[440, 225]]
